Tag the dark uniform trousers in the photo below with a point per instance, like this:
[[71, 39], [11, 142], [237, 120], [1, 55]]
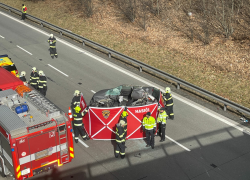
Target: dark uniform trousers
[[34, 77], [53, 52], [169, 105], [150, 138], [120, 142], [120, 149], [170, 111], [79, 130], [162, 128]]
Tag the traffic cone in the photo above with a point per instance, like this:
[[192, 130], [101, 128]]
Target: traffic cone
[[70, 115]]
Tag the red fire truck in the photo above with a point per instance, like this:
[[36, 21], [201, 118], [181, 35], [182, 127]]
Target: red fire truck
[[35, 135]]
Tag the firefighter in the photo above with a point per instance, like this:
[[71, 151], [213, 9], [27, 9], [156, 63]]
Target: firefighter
[[52, 46], [162, 120], [34, 77], [76, 100], [78, 125], [42, 83], [169, 103], [24, 11], [22, 76], [124, 118], [120, 140], [149, 126]]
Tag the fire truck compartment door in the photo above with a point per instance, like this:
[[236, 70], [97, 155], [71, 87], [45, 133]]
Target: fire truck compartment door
[[43, 148]]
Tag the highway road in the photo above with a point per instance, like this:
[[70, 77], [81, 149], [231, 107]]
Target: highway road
[[200, 144]]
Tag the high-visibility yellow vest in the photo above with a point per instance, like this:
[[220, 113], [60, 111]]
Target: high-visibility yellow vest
[[162, 117], [149, 123], [23, 9]]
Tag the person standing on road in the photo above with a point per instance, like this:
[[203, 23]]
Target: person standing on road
[[76, 100], [120, 140], [169, 103], [24, 11], [123, 117], [22, 76], [42, 83], [162, 120], [52, 46], [34, 77], [78, 125], [149, 126]]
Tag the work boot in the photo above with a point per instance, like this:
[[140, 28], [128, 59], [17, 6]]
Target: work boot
[[56, 56], [161, 140], [153, 147], [52, 57], [76, 140], [148, 145], [122, 156], [116, 156]]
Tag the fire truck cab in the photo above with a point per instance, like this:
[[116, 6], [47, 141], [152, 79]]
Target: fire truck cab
[[35, 135]]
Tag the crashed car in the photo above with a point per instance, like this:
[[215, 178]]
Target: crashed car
[[106, 107], [126, 95]]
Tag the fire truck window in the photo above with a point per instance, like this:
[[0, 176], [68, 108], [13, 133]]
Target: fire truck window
[[61, 128]]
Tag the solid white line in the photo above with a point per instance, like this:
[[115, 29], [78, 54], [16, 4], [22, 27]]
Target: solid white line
[[127, 73], [79, 140], [177, 143], [58, 70], [92, 91], [1, 36], [24, 50]]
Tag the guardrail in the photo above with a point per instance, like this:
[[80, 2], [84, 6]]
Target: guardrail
[[141, 65]]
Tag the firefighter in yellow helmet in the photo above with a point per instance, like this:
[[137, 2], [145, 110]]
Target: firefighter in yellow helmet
[[76, 100], [78, 125], [123, 117], [120, 140], [52, 46], [169, 103]]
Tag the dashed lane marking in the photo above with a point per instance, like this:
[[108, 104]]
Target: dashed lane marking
[[58, 70], [24, 50], [1, 36], [177, 143], [92, 91]]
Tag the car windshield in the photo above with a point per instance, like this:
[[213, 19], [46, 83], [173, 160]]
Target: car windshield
[[10, 67], [114, 91]]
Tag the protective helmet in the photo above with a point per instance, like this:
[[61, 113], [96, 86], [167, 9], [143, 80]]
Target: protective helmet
[[23, 73], [168, 90], [77, 109], [148, 113], [124, 114], [77, 93], [122, 122], [34, 69], [40, 72], [51, 35], [162, 108]]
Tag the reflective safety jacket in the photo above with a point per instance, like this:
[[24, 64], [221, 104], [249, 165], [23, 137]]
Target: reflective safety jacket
[[24, 9], [34, 77], [162, 118], [75, 101], [52, 42], [168, 99], [78, 118], [149, 123], [42, 82], [120, 134]]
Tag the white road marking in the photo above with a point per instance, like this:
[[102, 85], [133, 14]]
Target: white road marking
[[1, 36], [192, 104], [177, 143], [92, 91], [79, 140], [58, 70], [24, 50]]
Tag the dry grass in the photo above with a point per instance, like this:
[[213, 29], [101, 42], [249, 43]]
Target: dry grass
[[221, 67]]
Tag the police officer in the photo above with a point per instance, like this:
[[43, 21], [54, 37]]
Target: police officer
[[149, 126], [162, 120], [169, 103], [76, 99], [24, 11], [120, 140], [34, 77], [77, 123], [52, 46], [22, 76], [42, 83]]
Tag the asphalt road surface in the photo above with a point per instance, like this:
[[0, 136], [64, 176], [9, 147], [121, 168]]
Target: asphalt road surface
[[200, 144]]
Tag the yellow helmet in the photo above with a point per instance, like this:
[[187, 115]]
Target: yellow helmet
[[124, 114], [168, 90], [77, 109], [77, 93]]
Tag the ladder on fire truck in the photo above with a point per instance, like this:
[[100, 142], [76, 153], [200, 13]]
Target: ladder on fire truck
[[51, 111]]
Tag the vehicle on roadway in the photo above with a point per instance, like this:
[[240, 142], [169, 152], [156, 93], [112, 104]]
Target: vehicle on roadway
[[8, 64], [106, 107], [35, 135]]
